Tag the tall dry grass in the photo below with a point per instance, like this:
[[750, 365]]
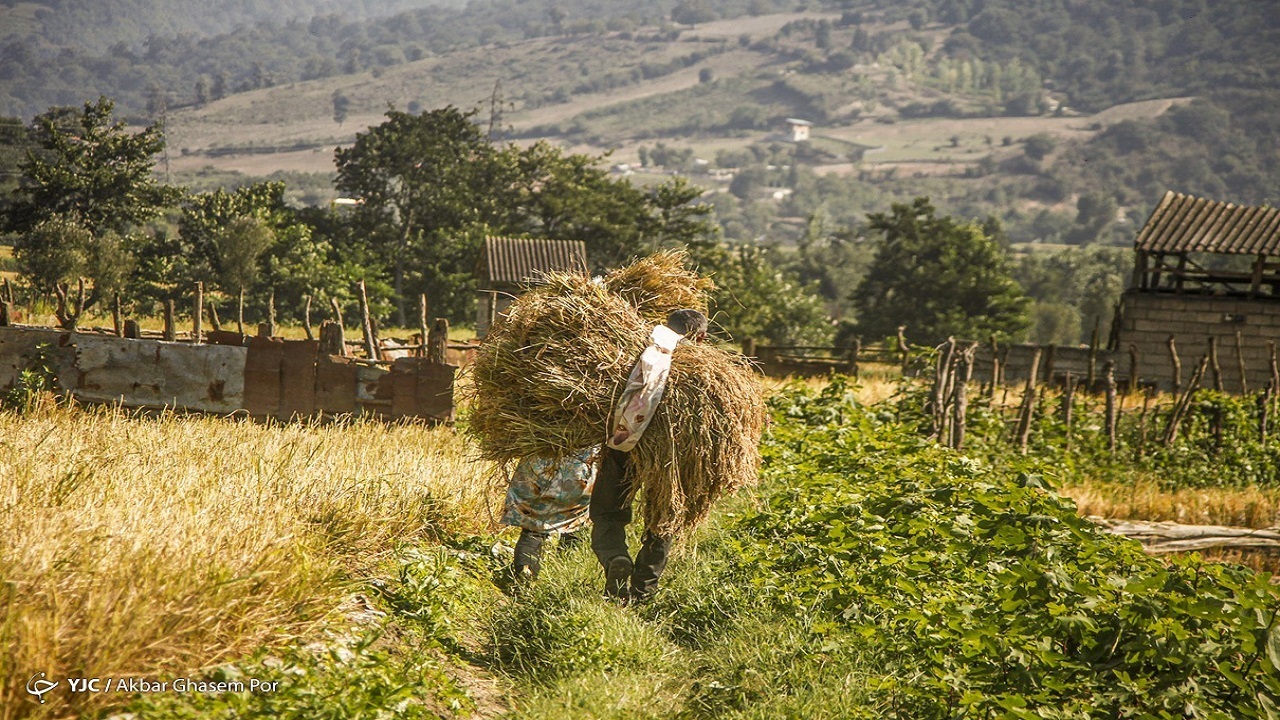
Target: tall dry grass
[[144, 546], [1145, 499]]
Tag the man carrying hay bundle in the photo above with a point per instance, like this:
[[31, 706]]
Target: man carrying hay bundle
[[549, 375], [612, 498]]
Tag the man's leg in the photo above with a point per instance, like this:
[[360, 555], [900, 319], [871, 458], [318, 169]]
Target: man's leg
[[528, 560], [610, 513], [649, 564]]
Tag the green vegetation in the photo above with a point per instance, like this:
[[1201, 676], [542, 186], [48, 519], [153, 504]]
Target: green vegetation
[[998, 109], [938, 277], [433, 186], [874, 574]]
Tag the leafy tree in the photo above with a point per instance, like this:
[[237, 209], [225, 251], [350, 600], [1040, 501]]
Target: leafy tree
[[52, 252], [341, 107], [89, 166], [1038, 146], [240, 245], [938, 277], [755, 298], [692, 12], [433, 186], [423, 181]]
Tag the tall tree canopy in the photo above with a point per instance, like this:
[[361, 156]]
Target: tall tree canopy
[[88, 166], [939, 277], [431, 186]]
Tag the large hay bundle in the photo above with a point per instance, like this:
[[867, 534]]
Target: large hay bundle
[[548, 374]]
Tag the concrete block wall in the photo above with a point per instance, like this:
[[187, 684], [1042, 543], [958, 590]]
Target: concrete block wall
[[1148, 319]]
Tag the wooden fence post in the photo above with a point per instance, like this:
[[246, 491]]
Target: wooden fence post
[[749, 347], [1213, 364], [1275, 374], [940, 400], [1184, 401], [995, 365], [1109, 377], [1264, 407], [117, 317], [170, 333], [306, 318], [854, 351], [370, 344], [1244, 382], [438, 345], [214, 321], [1068, 400], [271, 316], [964, 372], [1147, 397], [240, 313], [332, 341], [902, 348], [69, 314], [132, 329], [1132, 385], [1028, 403], [197, 315], [1050, 359], [1093, 357], [422, 323], [6, 311], [1177, 365]]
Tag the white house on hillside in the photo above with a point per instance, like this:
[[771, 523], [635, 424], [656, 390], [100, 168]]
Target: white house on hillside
[[798, 129]]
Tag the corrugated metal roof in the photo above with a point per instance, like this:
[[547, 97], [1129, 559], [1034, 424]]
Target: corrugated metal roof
[[522, 260], [1183, 223]]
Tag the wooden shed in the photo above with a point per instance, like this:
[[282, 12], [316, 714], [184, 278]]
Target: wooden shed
[[1206, 273], [509, 265]]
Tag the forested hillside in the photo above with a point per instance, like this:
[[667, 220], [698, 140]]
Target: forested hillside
[[1057, 123], [97, 26]]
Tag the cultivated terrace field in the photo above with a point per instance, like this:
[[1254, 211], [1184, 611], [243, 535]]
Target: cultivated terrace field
[[872, 573]]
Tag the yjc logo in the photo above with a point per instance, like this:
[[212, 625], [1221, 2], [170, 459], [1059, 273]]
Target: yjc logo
[[38, 686]]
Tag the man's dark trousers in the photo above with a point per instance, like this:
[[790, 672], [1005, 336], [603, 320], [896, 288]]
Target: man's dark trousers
[[611, 512]]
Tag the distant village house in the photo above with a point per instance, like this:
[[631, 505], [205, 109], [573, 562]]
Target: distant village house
[[798, 129]]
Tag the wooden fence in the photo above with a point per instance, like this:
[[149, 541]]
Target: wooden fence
[[224, 371]]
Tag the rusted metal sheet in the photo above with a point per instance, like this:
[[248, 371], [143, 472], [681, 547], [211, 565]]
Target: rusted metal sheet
[[19, 347], [336, 385], [298, 378], [155, 373], [516, 261], [1184, 223], [433, 396], [404, 383], [262, 372], [422, 389]]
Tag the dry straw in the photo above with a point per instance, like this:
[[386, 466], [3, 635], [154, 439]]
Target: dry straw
[[548, 374], [161, 546]]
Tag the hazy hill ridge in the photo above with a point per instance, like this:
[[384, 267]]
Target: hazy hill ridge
[[95, 27]]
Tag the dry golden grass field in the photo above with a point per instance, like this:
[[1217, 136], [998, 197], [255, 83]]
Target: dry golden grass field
[[133, 544]]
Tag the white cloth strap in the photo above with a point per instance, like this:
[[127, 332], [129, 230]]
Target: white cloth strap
[[645, 386]]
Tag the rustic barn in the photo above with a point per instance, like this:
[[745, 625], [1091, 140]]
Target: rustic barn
[[1206, 275], [508, 265]]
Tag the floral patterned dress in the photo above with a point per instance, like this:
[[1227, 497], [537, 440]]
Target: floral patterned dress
[[550, 495]]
